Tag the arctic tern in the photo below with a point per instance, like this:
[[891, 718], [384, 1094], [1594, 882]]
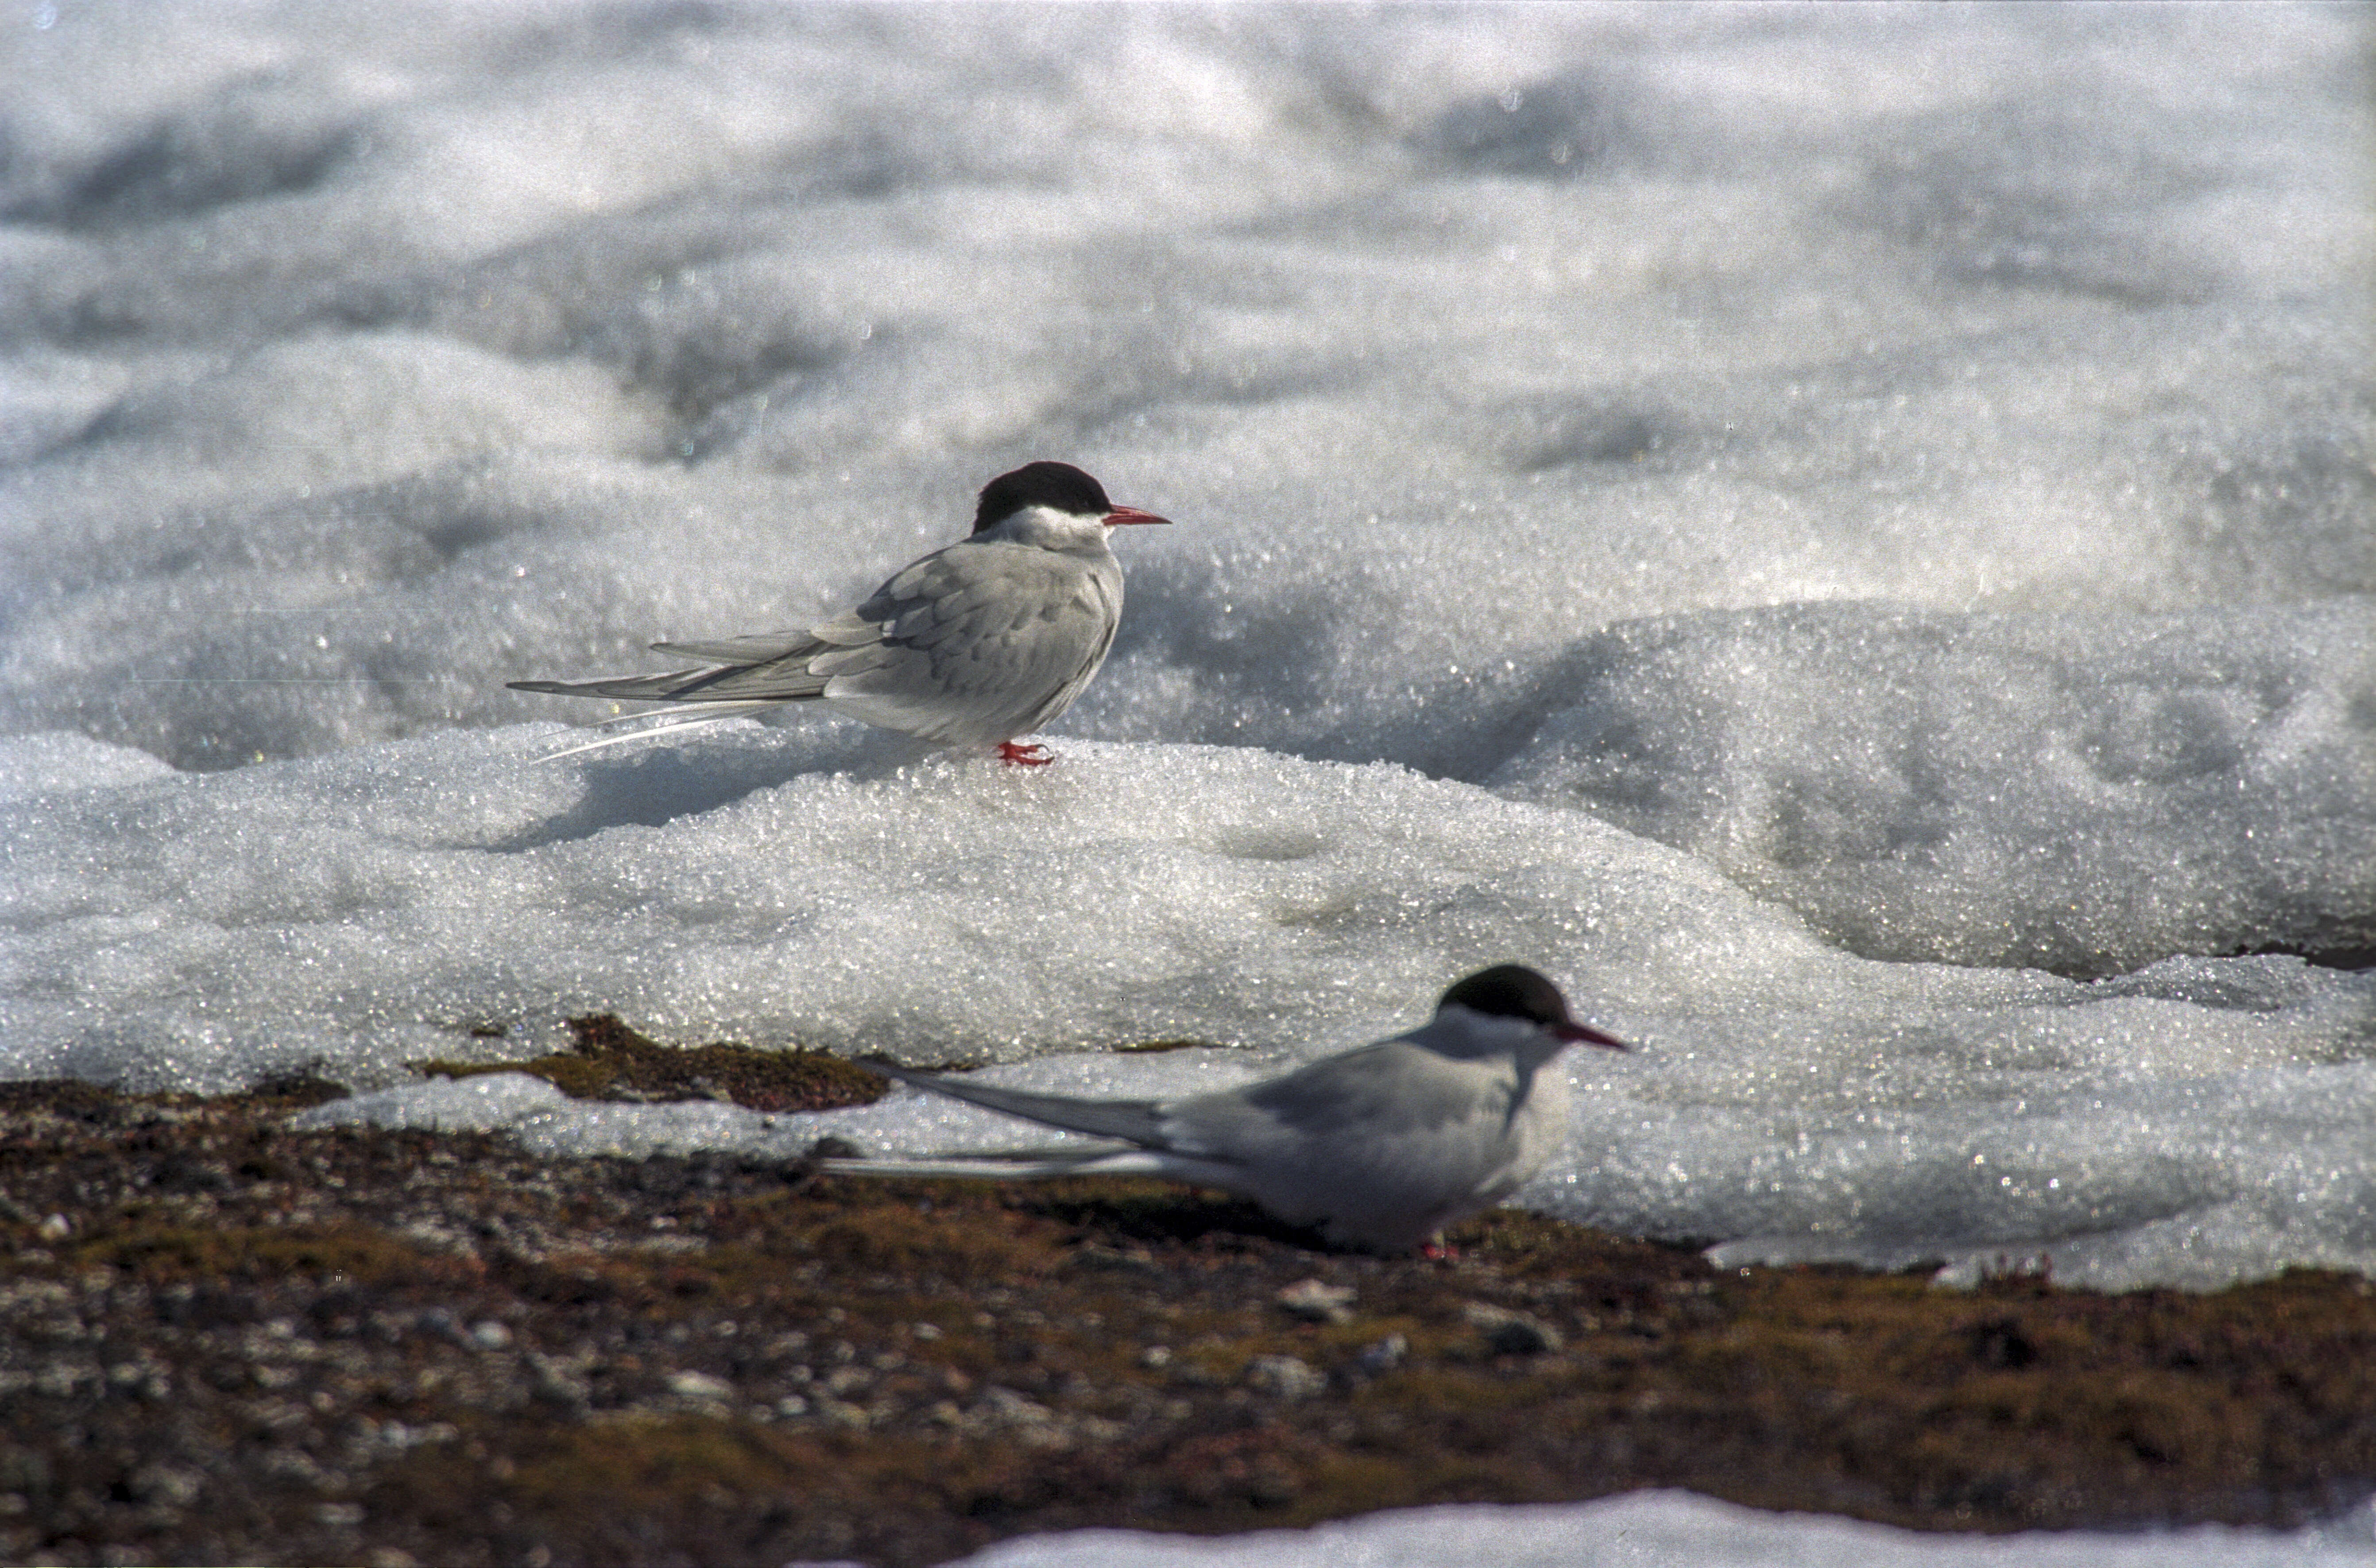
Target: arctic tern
[[1380, 1147], [987, 639]]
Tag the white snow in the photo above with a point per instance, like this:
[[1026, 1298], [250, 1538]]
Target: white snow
[[1669, 1529], [1845, 535]]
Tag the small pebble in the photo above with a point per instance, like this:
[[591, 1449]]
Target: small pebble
[[1285, 1376], [1317, 1300], [699, 1385], [1511, 1333]]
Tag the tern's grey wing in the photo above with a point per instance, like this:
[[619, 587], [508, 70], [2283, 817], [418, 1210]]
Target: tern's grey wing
[[770, 667], [764, 667], [785, 679], [1376, 1093], [760, 648], [788, 679], [1139, 1121], [977, 642]]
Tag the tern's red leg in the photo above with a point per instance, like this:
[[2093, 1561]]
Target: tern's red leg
[[1023, 757]]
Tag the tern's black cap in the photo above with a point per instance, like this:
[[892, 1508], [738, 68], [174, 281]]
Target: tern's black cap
[[1509, 991], [1513, 991], [1058, 485]]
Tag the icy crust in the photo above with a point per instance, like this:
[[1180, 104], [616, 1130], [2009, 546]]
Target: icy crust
[[60, 762], [757, 885], [358, 368], [1672, 1530], [2198, 1120], [2084, 795]]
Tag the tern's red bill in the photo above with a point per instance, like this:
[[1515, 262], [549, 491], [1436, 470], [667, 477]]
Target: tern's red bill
[[1584, 1034]]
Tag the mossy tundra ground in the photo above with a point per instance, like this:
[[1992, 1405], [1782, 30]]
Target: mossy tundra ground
[[226, 1341]]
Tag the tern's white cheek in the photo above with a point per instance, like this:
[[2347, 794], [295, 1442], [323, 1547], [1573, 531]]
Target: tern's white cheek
[[1051, 529]]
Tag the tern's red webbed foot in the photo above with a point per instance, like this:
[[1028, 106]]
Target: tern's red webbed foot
[[1016, 755], [1438, 1250]]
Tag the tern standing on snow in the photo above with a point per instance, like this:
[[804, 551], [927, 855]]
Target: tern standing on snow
[[1381, 1146], [972, 646]]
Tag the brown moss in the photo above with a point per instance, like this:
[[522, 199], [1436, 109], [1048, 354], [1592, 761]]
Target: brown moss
[[72, 1097], [609, 1061], [701, 1489], [911, 1243], [358, 1254]]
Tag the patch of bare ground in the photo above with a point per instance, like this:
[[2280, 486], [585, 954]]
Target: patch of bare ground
[[225, 1341]]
